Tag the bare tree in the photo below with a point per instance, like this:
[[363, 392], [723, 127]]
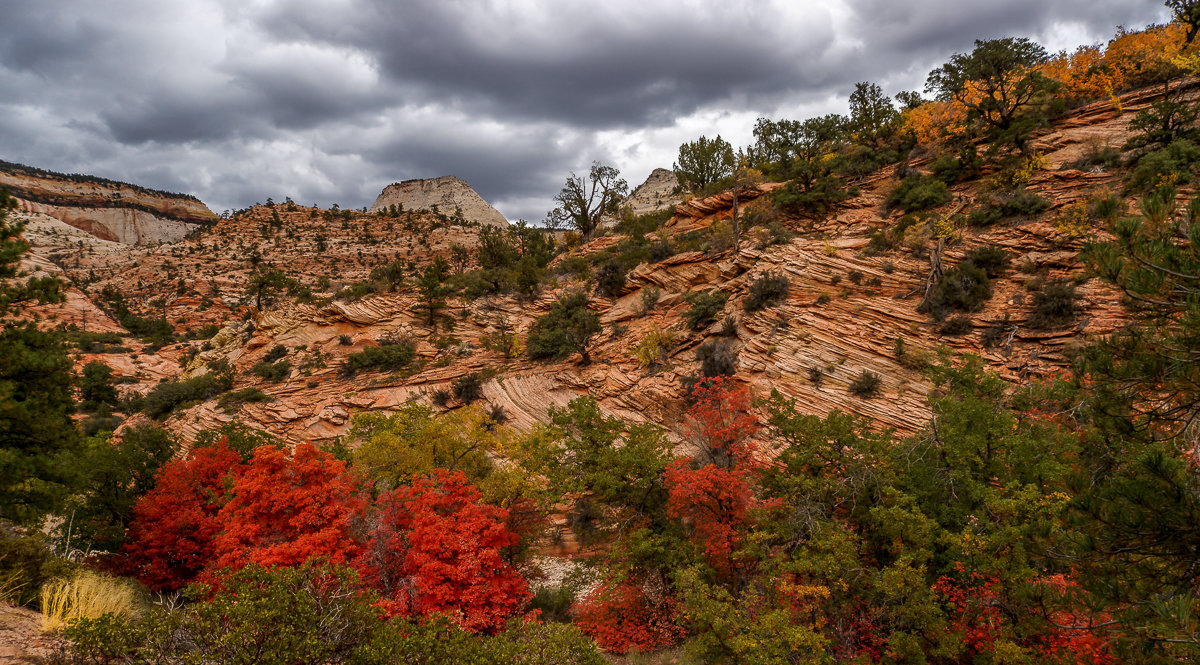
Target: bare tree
[[584, 200]]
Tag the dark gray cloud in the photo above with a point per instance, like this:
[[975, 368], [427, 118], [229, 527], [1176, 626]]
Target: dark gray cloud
[[329, 102]]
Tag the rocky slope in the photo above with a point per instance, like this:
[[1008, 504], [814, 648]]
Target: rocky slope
[[106, 209], [656, 193], [844, 312], [447, 194]]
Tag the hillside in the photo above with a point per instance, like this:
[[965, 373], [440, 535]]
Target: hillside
[[844, 312]]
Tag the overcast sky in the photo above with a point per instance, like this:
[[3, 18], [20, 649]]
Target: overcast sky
[[328, 101]]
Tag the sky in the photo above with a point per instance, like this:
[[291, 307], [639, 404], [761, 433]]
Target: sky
[[329, 101]]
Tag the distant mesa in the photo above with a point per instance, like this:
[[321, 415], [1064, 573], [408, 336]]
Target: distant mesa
[[448, 193], [108, 209]]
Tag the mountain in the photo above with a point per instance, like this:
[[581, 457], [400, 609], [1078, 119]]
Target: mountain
[[447, 194], [107, 209]]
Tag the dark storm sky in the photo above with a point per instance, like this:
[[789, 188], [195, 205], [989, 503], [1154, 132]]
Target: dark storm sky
[[330, 100]]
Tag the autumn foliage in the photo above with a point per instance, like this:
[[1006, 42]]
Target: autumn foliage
[[435, 548], [622, 617]]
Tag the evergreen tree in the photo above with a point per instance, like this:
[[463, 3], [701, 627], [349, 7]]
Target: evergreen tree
[[432, 290], [38, 440]]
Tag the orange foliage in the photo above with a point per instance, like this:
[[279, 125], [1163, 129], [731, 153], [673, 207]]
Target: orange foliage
[[933, 121], [1144, 57], [622, 617], [1083, 75], [287, 509]]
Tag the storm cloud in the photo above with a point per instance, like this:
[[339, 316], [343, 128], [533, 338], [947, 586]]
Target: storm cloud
[[327, 102]]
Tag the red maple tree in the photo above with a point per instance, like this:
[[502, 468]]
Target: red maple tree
[[622, 617], [170, 539], [288, 508], [434, 548]]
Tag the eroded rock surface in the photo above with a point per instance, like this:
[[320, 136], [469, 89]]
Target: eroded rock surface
[[447, 193]]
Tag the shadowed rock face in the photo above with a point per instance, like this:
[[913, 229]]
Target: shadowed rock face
[[448, 193]]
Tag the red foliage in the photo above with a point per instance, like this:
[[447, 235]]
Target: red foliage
[[436, 549], [286, 509], [622, 617], [1067, 638], [716, 498], [170, 539], [720, 422]]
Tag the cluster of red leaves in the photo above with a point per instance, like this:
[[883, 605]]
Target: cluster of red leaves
[[437, 549], [432, 547], [715, 498], [621, 617], [287, 509], [170, 539], [976, 615]]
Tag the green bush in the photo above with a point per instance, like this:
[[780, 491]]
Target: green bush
[[1055, 306], [171, 395], [278, 351], [391, 355], [866, 385], [468, 388], [704, 308], [814, 200], [26, 563], [610, 279], [567, 328], [963, 288], [273, 372], [231, 402], [766, 290], [918, 192], [956, 325], [992, 259], [1178, 161]]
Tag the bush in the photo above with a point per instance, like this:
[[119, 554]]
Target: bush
[[567, 328], [1175, 162], [655, 347], [171, 395], [990, 258], [768, 289], [1019, 203], [919, 193], [704, 308], [273, 372], [26, 563], [716, 358], [1055, 306], [468, 388], [815, 200], [610, 279], [390, 356], [231, 402], [963, 288], [345, 340], [278, 351], [956, 325], [866, 385]]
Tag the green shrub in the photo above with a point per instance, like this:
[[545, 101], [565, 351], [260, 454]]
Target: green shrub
[[392, 354], [567, 328], [273, 372], [610, 279], [992, 259], [171, 395], [278, 351], [231, 402], [26, 563], [814, 200], [919, 193], [866, 385], [1018, 203], [468, 388], [704, 308], [963, 288], [1055, 306], [766, 290], [1175, 162]]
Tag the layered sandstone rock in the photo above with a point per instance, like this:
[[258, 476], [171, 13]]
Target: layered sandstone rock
[[656, 193], [447, 193], [107, 209]]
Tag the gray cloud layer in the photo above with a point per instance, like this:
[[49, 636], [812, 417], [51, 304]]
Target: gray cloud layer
[[328, 102]]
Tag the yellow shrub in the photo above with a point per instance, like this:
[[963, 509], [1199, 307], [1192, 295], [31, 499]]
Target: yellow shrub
[[1074, 221], [86, 596], [655, 346]]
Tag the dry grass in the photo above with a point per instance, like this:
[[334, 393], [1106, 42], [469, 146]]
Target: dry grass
[[87, 595]]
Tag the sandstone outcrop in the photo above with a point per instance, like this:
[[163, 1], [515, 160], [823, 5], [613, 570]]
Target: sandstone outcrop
[[656, 193], [447, 193], [107, 209]]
